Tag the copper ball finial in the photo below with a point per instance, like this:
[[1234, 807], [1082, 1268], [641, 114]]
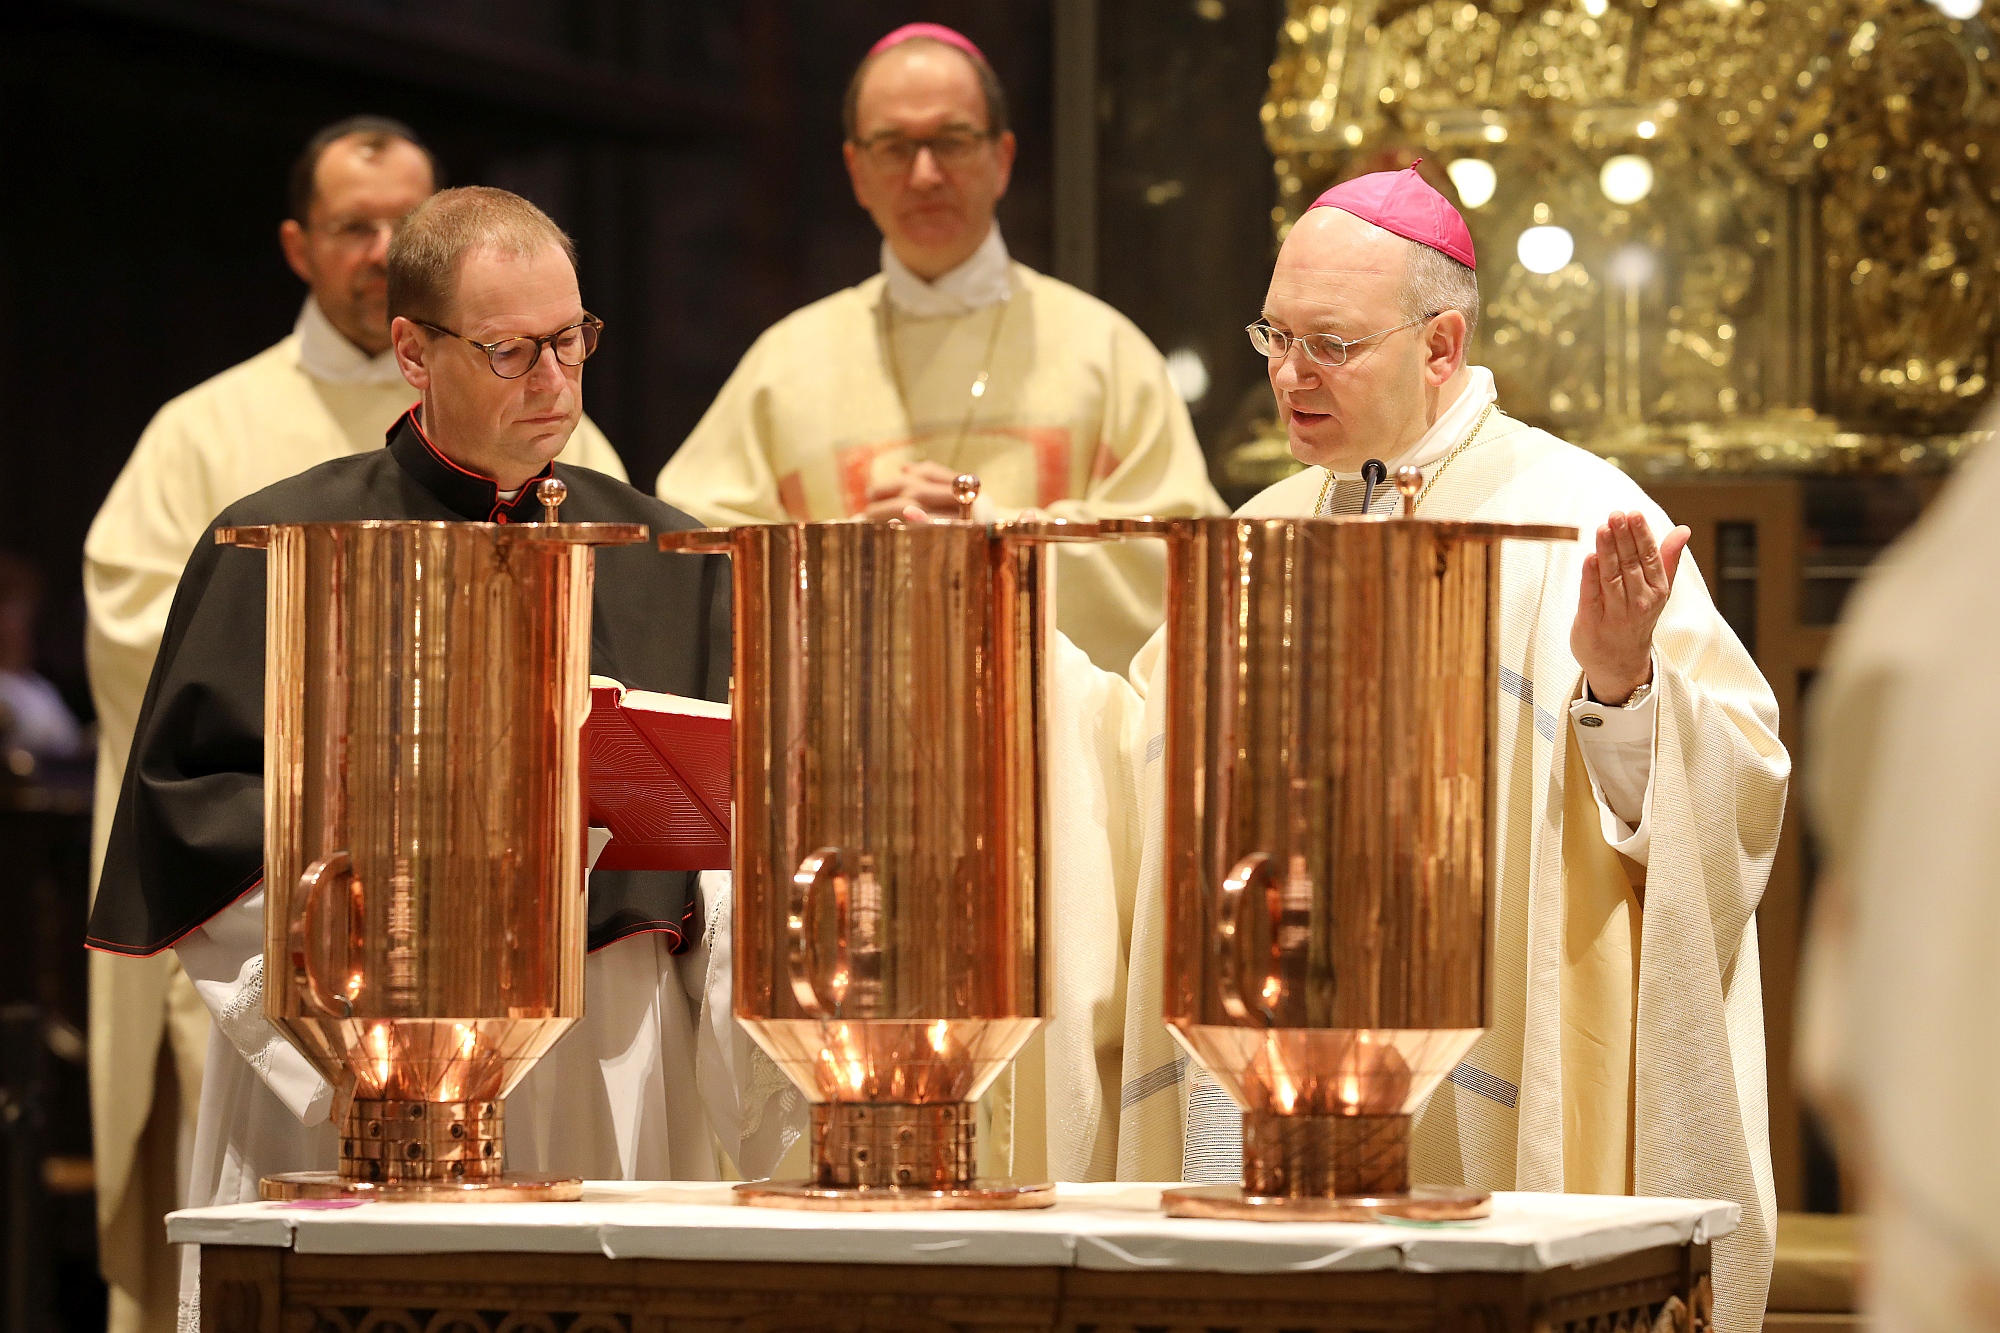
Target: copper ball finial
[[965, 490], [1409, 480], [551, 493]]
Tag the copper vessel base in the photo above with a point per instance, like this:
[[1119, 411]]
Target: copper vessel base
[[523, 1187], [979, 1194], [1424, 1203]]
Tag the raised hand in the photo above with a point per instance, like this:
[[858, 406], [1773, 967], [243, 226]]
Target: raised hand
[[1625, 585]]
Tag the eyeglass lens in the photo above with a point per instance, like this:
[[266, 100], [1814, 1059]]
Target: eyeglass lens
[[515, 357], [950, 149], [1275, 343], [360, 233]]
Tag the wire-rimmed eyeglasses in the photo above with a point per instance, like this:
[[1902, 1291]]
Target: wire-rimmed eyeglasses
[[512, 358], [1323, 349]]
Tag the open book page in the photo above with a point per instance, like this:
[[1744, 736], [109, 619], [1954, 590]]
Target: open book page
[[658, 771]]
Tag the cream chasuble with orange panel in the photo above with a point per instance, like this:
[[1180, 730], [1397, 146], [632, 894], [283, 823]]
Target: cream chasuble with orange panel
[[1075, 417]]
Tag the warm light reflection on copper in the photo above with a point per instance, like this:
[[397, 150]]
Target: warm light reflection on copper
[[889, 852], [425, 687], [1331, 686]]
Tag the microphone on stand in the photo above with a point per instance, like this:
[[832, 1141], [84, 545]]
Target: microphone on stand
[[1374, 472]]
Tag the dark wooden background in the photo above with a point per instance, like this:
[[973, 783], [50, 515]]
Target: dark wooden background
[[691, 148]]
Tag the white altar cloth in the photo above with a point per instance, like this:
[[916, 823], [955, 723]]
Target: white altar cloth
[[1098, 1226]]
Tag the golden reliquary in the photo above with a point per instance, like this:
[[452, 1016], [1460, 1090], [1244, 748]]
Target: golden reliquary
[[1713, 235]]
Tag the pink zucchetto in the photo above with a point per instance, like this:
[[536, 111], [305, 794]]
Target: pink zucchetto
[[1405, 203], [937, 32]]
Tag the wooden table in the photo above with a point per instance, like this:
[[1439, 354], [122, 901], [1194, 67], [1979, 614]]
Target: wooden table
[[677, 1259]]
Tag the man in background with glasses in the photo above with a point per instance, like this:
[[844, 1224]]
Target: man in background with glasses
[[490, 330], [954, 359], [329, 389]]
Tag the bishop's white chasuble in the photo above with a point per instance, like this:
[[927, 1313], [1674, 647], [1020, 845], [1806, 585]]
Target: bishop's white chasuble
[[1626, 1051]]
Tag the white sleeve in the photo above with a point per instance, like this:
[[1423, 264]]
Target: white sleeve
[[753, 1109], [224, 958], [1617, 748]]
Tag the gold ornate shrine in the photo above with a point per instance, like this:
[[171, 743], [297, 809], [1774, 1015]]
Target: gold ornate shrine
[[1783, 258], [1782, 217]]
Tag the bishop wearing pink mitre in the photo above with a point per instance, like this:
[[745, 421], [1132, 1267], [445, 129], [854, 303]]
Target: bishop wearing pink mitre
[[954, 358], [1640, 785]]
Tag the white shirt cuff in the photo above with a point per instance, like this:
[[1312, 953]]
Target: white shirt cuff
[[1617, 748], [224, 958]]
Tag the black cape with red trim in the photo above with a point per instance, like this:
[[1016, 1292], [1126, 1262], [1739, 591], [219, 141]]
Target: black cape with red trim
[[188, 838]]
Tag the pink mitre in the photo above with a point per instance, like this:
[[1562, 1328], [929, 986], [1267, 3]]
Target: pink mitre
[[1405, 203], [937, 32]]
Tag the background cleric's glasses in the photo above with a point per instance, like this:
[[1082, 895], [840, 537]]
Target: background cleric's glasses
[[953, 146], [511, 358]]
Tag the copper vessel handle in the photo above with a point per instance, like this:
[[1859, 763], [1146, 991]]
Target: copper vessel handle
[[257, 538], [696, 541], [334, 865], [1252, 872], [821, 866]]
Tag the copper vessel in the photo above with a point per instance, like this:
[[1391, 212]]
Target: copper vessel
[[889, 846], [1331, 689], [424, 914]]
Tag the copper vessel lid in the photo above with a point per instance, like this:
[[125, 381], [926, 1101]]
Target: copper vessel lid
[[551, 491], [585, 534], [1460, 529]]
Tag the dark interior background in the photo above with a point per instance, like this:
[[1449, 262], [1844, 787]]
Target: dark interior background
[[690, 146]]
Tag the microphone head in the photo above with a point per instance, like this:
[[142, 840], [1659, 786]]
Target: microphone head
[[1374, 472]]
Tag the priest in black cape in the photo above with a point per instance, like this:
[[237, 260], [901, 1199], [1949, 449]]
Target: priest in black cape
[[489, 326]]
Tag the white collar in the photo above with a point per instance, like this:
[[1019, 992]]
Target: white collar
[[985, 278], [327, 356], [1448, 430]]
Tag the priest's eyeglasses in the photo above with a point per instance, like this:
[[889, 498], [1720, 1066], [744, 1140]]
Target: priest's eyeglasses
[[1323, 349], [951, 147], [512, 358]]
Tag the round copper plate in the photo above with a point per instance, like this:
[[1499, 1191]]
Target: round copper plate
[[520, 1188], [1424, 1203], [979, 1194]]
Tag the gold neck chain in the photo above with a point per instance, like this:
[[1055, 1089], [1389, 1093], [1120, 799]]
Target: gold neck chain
[[977, 391], [1321, 507]]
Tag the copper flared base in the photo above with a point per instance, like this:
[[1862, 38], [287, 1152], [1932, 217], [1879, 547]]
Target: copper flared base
[[517, 1188], [986, 1194], [1423, 1203]]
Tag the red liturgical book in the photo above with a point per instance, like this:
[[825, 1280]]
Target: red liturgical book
[[658, 770]]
